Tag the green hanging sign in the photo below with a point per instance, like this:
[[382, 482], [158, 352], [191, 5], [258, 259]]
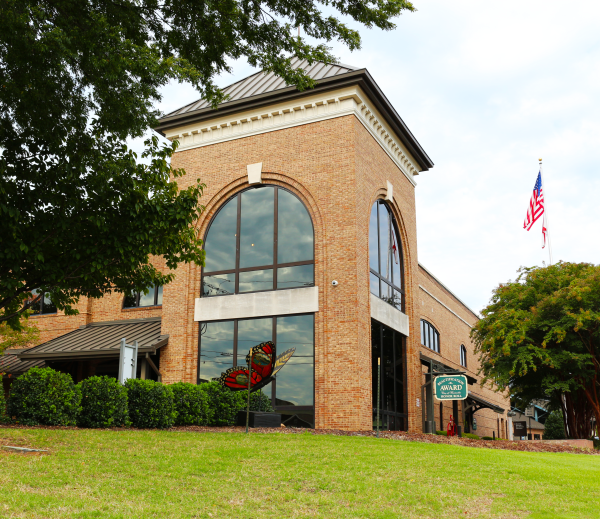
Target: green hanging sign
[[450, 387]]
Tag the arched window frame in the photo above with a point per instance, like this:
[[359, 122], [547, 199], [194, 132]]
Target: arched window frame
[[275, 265], [430, 337], [383, 279], [463, 356]]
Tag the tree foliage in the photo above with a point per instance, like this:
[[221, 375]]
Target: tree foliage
[[539, 336], [554, 428], [81, 213], [26, 334]]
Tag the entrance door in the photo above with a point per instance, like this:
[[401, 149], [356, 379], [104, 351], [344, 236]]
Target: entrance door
[[389, 346]]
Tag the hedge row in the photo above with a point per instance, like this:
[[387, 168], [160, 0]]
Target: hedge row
[[43, 396]]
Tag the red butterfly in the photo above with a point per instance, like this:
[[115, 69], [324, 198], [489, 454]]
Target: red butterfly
[[264, 367]]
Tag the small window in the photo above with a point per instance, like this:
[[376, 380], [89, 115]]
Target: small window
[[44, 305], [463, 355], [430, 336], [141, 299]]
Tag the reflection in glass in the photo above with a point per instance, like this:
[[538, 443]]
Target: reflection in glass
[[216, 349], [256, 280], [373, 240], [130, 300], [220, 243], [299, 276], [257, 227], [49, 307], [147, 299], [295, 382], [250, 333], [218, 285], [159, 296], [374, 281], [294, 230]]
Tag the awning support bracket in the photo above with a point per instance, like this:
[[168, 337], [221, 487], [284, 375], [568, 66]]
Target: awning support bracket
[[153, 366]]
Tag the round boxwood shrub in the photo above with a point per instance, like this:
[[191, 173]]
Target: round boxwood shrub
[[151, 404], [191, 404], [488, 438], [258, 402], [43, 396], [223, 403], [472, 436], [103, 403]]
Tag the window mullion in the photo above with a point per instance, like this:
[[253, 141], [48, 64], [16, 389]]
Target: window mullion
[[275, 236], [236, 289]]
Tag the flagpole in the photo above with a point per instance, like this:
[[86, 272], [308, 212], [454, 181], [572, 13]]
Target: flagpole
[[546, 220]]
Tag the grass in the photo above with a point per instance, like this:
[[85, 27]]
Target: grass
[[178, 474]]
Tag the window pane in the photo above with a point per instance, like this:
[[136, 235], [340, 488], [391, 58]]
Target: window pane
[[295, 381], [294, 230], [396, 277], [375, 354], [36, 307], [220, 242], [159, 295], [384, 242], [387, 370], [256, 280], [397, 300], [291, 277], [130, 300], [399, 371], [216, 349], [218, 285], [386, 292], [373, 243], [49, 307], [374, 282], [147, 299], [422, 332], [257, 224], [250, 333]]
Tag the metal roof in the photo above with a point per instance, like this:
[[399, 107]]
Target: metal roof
[[261, 83], [12, 365], [482, 403], [261, 89], [101, 340]]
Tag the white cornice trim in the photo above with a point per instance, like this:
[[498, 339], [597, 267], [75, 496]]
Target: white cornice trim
[[447, 308], [312, 109]]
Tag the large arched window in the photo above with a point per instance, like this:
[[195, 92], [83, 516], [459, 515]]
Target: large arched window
[[463, 355], [385, 256], [430, 337], [261, 239]]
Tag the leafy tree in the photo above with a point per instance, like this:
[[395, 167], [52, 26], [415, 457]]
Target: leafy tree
[[81, 213], [539, 336], [554, 428], [27, 334]]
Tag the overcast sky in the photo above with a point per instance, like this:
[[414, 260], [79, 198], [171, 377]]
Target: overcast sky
[[487, 88]]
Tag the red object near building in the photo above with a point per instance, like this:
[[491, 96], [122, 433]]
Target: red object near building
[[451, 429]]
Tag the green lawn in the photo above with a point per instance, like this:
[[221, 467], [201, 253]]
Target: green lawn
[[174, 474]]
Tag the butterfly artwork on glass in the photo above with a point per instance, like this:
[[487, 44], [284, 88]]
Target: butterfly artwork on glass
[[264, 367]]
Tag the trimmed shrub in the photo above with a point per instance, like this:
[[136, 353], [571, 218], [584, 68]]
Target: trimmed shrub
[[191, 404], [43, 396], [151, 404], [554, 428], [488, 438], [103, 403], [223, 403], [258, 402], [3, 417], [441, 433], [472, 436]]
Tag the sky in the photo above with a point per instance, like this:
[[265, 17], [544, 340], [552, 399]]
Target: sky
[[488, 88]]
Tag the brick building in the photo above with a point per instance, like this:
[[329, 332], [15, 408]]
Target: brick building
[[311, 240]]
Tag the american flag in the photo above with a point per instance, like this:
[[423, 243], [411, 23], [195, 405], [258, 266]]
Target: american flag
[[536, 208]]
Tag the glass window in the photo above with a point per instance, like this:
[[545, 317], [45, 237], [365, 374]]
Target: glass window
[[225, 344], [44, 305], [151, 297], [262, 239], [388, 346], [385, 256], [463, 355], [430, 336]]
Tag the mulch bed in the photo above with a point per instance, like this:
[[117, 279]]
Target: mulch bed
[[399, 435]]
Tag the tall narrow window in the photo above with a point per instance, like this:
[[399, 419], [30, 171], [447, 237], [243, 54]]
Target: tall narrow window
[[261, 239], [385, 256], [430, 336], [463, 355]]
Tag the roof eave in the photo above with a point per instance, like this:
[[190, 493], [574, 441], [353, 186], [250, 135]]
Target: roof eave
[[361, 77]]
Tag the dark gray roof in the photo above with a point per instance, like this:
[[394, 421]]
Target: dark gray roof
[[260, 89], [484, 404], [101, 340], [261, 83], [12, 365]]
